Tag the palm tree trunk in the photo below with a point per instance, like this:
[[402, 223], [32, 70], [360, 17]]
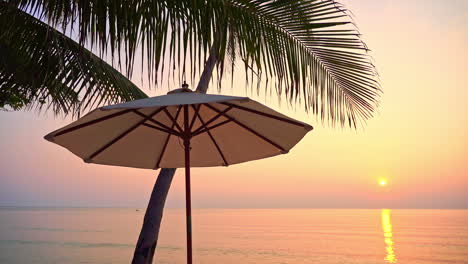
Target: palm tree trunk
[[147, 241]]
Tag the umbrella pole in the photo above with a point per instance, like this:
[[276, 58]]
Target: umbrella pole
[[188, 206]]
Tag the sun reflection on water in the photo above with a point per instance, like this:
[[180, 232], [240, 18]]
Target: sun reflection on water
[[388, 235]]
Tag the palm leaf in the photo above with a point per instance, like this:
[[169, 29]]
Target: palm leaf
[[41, 67], [307, 49]]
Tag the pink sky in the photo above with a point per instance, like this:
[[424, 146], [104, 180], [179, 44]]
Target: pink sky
[[418, 139]]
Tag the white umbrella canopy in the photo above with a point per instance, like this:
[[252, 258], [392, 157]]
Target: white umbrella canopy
[[224, 130], [181, 129]]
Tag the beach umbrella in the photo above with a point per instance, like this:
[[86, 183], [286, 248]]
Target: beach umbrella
[[182, 129]]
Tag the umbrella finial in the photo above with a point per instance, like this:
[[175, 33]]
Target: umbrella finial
[[184, 89]]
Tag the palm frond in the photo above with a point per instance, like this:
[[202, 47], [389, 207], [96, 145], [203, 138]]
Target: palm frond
[[309, 49], [41, 67], [314, 53]]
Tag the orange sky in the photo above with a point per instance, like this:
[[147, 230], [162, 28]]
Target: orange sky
[[418, 139]]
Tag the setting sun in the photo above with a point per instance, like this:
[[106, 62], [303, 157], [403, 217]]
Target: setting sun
[[382, 182]]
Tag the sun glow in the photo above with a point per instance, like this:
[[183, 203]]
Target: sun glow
[[383, 182]]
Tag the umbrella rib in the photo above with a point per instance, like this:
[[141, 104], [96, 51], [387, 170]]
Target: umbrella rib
[[220, 113], [173, 120], [113, 141], [154, 121], [197, 109], [162, 129], [92, 122], [250, 130], [206, 129], [166, 142], [270, 116], [212, 139]]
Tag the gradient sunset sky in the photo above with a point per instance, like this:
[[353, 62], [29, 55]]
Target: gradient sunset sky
[[418, 139]]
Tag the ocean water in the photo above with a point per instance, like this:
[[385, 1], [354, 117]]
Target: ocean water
[[326, 236]]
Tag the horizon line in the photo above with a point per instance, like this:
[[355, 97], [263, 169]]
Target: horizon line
[[253, 208]]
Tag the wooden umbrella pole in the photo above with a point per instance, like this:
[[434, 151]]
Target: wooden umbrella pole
[[188, 207], [147, 241]]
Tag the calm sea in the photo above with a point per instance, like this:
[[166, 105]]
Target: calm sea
[[328, 236]]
